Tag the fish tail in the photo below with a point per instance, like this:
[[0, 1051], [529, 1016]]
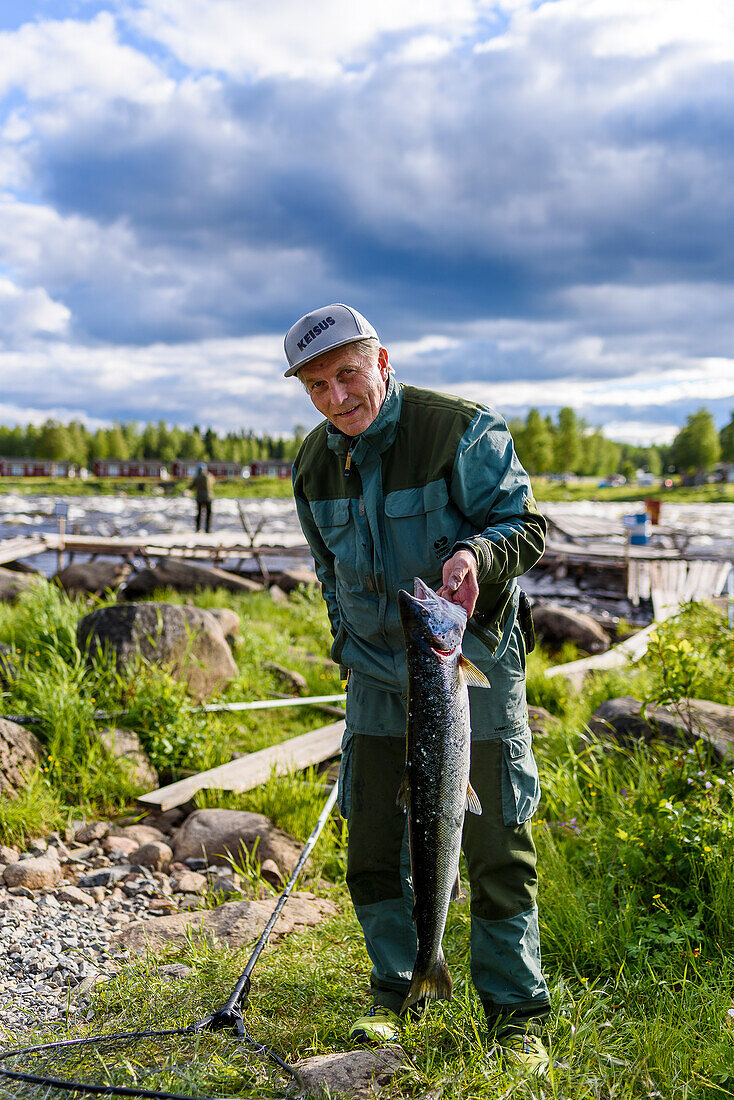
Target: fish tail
[[434, 984]]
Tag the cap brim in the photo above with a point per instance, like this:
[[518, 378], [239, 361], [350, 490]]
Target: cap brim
[[324, 351]]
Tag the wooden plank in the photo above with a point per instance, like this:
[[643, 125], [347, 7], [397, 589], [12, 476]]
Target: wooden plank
[[630, 650], [22, 547], [250, 771]]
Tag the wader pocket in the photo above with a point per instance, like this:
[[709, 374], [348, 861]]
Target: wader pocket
[[520, 782], [344, 783]]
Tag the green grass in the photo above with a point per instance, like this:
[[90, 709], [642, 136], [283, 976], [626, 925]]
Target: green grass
[[636, 901], [583, 489], [263, 487]]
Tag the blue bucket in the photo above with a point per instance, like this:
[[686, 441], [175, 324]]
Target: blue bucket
[[639, 526]]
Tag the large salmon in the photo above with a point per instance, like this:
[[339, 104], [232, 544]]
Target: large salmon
[[435, 792]]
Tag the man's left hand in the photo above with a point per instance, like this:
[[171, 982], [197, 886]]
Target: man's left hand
[[460, 583]]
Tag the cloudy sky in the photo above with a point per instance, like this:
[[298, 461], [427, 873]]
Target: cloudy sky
[[532, 201]]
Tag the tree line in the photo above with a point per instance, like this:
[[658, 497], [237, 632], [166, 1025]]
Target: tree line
[[566, 445], [570, 446], [73, 442]]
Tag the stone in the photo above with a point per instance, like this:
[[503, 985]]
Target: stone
[[292, 681], [188, 882], [277, 595], [94, 830], [291, 579], [20, 754], [693, 719], [13, 585], [105, 876], [124, 746], [215, 833], [183, 576], [142, 834], [229, 621], [186, 640], [96, 577], [355, 1073], [75, 896], [123, 845], [555, 625], [155, 855], [540, 720], [234, 924], [271, 872], [165, 821], [17, 905], [36, 873], [7, 854]]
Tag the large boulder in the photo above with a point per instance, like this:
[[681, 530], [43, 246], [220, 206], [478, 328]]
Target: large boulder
[[20, 754], [36, 873], [234, 924], [184, 576], [359, 1074], [214, 833], [693, 719], [92, 576], [13, 584], [187, 640], [555, 625]]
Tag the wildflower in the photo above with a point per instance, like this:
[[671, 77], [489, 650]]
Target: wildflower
[[706, 848], [708, 786]]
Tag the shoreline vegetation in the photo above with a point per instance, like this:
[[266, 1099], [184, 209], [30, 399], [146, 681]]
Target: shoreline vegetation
[[636, 899], [546, 489]]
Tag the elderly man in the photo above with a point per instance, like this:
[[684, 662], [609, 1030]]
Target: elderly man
[[399, 482]]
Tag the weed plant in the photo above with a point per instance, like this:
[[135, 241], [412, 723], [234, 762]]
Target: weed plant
[[635, 895]]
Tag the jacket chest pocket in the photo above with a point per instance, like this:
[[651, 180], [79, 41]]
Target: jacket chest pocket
[[422, 526], [338, 529]]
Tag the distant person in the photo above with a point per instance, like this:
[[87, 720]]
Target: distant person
[[203, 488]]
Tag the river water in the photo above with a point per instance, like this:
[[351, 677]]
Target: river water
[[708, 528]]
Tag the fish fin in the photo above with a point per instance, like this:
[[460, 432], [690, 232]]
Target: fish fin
[[403, 799], [472, 800], [433, 985], [472, 675], [456, 888]]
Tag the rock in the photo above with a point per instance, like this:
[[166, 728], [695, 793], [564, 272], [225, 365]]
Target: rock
[[7, 854], [124, 746], [20, 755], [271, 872], [92, 576], [165, 821], [13, 585], [555, 625], [75, 896], [622, 720], [540, 720], [120, 844], [36, 873], [291, 579], [355, 1073], [105, 876], [183, 576], [235, 923], [277, 595], [95, 830], [155, 855], [187, 640], [188, 882], [175, 971], [229, 621], [291, 680], [217, 832], [17, 905], [142, 834]]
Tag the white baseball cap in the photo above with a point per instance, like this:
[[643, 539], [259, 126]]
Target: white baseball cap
[[323, 330]]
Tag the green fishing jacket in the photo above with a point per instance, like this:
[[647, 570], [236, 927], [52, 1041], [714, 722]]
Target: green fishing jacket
[[432, 473]]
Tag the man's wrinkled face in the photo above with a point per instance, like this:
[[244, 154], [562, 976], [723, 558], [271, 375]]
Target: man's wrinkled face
[[347, 387]]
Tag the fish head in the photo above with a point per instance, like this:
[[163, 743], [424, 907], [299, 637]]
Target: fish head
[[430, 621]]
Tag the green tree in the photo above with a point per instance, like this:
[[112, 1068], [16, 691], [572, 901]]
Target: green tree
[[54, 442], [567, 443], [537, 444], [726, 439], [116, 442], [696, 448]]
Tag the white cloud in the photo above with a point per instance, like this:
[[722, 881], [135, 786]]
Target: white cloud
[[28, 312], [242, 37], [47, 59], [641, 433]]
